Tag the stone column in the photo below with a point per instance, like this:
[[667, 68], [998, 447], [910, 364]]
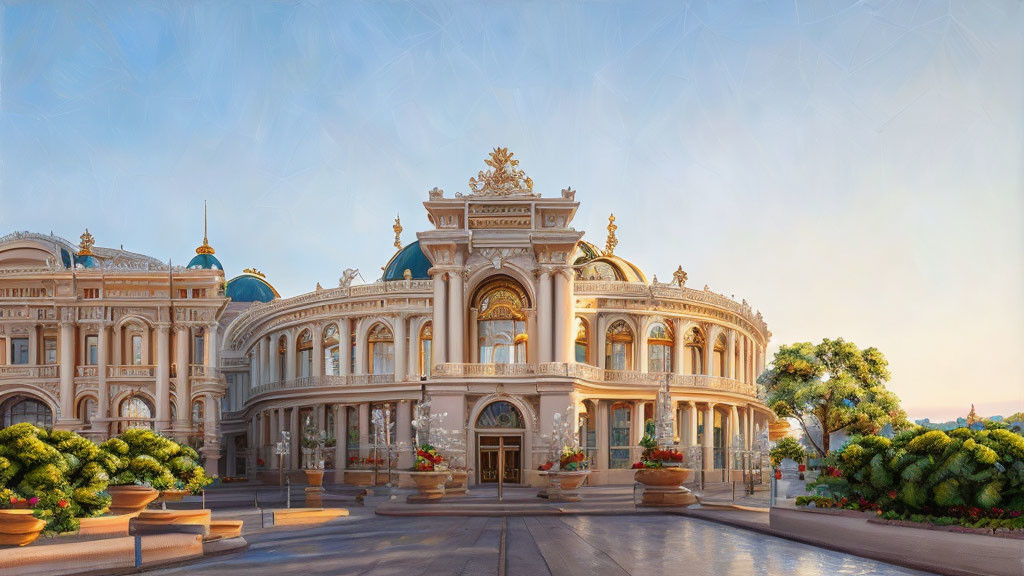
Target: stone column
[[709, 352], [117, 348], [103, 393], [692, 423], [730, 355], [344, 347], [734, 427], [364, 430], [741, 370], [678, 347], [563, 315], [474, 336], [403, 433], [275, 371], [295, 427], [642, 351], [544, 317], [412, 356], [440, 318], [289, 358], [183, 382], [601, 432], [400, 348], [212, 345], [360, 366], [163, 376], [340, 436], [636, 419], [318, 351], [211, 445], [749, 436], [598, 339], [67, 371], [456, 323], [33, 344], [709, 436]]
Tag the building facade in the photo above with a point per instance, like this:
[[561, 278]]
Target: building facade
[[501, 314]]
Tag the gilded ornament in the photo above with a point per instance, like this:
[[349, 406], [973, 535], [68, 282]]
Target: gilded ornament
[[398, 232], [205, 248], [85, 246], [612, 241], [679, 276], [503, 179]]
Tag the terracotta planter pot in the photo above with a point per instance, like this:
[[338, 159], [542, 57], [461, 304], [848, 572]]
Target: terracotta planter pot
[[564, 486], [130, 499], [104, 525], [430, 484], [314, 477], [199, 517], [662, 476], [173, 495], [226, 528], [19, 527]]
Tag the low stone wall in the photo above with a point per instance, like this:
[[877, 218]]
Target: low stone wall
[[932, 550]]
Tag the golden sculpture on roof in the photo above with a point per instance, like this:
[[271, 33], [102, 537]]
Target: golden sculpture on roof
[[503, 179], [85, 246], [680, 277], [205, 248], [612, 242], [398, 232]]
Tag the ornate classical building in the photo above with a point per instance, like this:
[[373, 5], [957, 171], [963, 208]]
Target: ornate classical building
[[501, 314]]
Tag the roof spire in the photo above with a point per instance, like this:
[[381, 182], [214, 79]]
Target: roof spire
[[205, 248], [398, 232], [85, 246], [612, 242]]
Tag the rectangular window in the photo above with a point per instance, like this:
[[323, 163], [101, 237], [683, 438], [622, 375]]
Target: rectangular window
[[198, 350], [305, 363], [383, 354], [428, 357], [182, 293], [50, 350], [581, 353], [331, 365], [92, 355], [19, 350], [619, 442], [90, 293], [137, 350]]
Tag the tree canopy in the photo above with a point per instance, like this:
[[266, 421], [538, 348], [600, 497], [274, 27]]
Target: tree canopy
[[835, 385]]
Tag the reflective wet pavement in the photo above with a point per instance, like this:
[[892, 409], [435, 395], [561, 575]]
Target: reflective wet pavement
[[365, 543]]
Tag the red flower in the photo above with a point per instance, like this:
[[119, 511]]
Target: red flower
[[638, 465], [14, 499], [63, 503], [259, 461], [33, 501], [892, 494]]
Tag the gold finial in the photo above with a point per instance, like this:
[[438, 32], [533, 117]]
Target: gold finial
[[503, 179], [612, 242], [679, 276], [205, 248], [85, 246], [398, 232], [254, 272]]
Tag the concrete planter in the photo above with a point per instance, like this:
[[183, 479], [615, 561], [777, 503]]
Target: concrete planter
[[19, 527], [429, 484], [664, 487], [563, 486], [226, 528], [199, 517], [173, 495], [457, 483], [116, 525], [130, 498], [315, 478]]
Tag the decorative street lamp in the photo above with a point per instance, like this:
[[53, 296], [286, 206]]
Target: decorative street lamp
[[282, 449]]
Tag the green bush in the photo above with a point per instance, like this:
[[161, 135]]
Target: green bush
[[931, 471], [787, 448], [66, 472], [150, 459]]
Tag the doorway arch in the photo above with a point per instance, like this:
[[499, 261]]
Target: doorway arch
[[500, 440]]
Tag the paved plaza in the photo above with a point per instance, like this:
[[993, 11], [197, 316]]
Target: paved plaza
[[646, 543]]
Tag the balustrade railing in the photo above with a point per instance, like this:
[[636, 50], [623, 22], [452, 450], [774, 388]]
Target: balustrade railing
[[323, 381], [202, 371], [30, 371], [131, 371], [87, 371]]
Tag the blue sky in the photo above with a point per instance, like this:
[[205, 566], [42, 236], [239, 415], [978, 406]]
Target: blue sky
[[850, 168]]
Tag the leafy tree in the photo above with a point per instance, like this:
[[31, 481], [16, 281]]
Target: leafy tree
[[149, 459], [834, 384]]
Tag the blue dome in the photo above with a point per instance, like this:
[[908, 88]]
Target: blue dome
[[409, 258], [249, 287], [88, 261], [205, 262]]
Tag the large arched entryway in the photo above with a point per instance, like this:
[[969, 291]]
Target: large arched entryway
[[24, 408], [499, 433]]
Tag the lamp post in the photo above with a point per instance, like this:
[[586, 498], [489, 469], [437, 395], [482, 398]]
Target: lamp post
[[282, 449]]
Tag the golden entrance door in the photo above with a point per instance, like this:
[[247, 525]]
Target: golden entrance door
[[490, 446]]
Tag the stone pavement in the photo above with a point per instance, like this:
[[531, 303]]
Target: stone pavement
[[605, 536]]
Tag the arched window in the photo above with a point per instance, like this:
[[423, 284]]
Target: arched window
[[304, 347], [282, 357], [137, 411], [694, 355], [426, 348], [137, 349], [332, 366], [501, 322], [86, 409], [719, 351], [582, 330], [500, 414], [619, 443], [381, 345], [618, 347], [20, 409], [659, 348]]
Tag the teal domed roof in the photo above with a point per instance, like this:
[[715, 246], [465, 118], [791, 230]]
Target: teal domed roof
[[86, 261], [250, 286], [205, 262], [409, 258]]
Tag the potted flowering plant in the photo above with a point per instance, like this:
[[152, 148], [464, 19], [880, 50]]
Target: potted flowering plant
[[430, 472], [660, 471], [149, 464], [18, 524], [564, 481]]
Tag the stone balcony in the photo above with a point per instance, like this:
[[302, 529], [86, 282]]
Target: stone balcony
[[30, 372]]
